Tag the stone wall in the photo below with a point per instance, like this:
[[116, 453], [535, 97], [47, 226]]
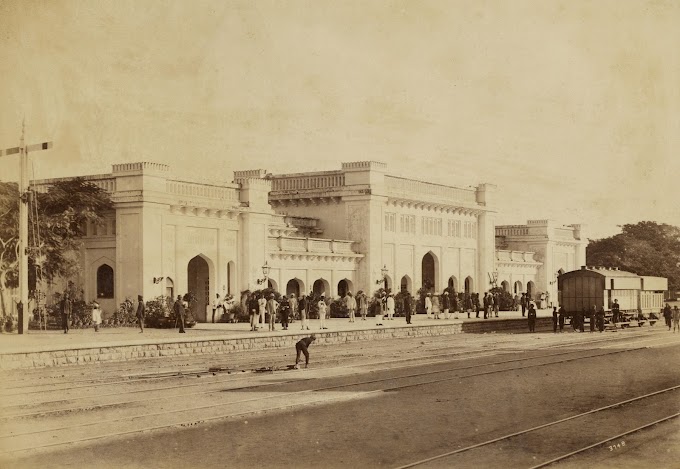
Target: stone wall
[[172, 347]]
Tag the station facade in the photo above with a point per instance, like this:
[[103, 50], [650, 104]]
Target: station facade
[[330, 231]]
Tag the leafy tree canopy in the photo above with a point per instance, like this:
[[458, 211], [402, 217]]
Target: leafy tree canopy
[[645, 248], [54, 233]]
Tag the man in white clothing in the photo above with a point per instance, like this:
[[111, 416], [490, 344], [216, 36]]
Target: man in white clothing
[[390, 307], [322, 312], [428, 306], [351, 305]]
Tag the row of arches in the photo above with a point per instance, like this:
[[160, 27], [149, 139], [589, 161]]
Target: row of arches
[[517, 287], [320, 286]]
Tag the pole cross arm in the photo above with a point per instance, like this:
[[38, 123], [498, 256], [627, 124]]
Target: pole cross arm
[[34, 147], [10, 151], [39, 146]]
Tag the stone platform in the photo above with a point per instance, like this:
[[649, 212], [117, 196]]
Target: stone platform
[[54, 348]]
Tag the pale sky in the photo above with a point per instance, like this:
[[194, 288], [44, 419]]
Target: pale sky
[[571, 107]]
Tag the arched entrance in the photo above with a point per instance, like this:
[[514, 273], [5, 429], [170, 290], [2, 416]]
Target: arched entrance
[[468, 285], [429, 272], [198, 276], [518, 287], [321, 286], [344, 286], [453, 283], [406, 283], [505, 285], [295, 286], [531, 287]]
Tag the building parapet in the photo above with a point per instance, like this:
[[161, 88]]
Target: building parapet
[[400, 187], [142, 166], [302, 181], [310, 245], [103, 181], [512, 230], [364, 166], [213, 191]]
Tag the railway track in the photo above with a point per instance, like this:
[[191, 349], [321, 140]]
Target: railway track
[[66, 433], [634, 409]]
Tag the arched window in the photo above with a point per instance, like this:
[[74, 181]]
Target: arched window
[[104, 281]]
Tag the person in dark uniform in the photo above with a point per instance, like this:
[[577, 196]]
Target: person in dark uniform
[[555, 319], [668, 315], [599, 319], [523, 302], [616, 311], [253, 311], [301, 347], [284, 310], [407, 307], [178, 308], [140, 313], [66, 312], [560, 319], [531, 316]]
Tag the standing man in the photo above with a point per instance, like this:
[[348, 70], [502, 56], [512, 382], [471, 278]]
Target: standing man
[[487, 304], [351, 304], [616, 309], [408, 304], [428, 306], [363, 304], [593, 311], [496, 303], [140, 313], [261, 309], [389, 303], [272, 307], [253, 310], [599, 318], [446, 304], [531, 316], [66, 312], [217, 304], [301, 347], [178, 308], [294, 305], [284, 310], [322, 311], [561, 319], [676, 319], [523, 302], [304, 308], [668, 315], [555, 319]]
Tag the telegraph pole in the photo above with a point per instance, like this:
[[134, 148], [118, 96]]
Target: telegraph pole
[[23, 150]]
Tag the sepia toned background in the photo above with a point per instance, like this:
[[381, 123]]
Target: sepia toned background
[[571, 107]]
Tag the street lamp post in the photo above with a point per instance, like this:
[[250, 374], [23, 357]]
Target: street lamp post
[[265, 273], [383, 277]]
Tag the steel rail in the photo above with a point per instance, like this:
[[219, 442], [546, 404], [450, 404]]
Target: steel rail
[[546, 425], [276, 407]]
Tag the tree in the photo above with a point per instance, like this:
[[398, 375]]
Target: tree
[[55, 233], [645, 248]]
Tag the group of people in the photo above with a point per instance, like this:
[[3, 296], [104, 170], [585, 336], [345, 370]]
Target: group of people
[[267, 308]]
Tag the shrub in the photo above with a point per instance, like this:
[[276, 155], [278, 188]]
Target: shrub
[[240, 313], [158, 312], [506, 298], [338, 309]]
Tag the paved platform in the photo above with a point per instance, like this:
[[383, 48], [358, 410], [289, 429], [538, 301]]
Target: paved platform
[[51, 348]]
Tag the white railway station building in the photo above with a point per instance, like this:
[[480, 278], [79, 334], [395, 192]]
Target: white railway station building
[[327, 231]]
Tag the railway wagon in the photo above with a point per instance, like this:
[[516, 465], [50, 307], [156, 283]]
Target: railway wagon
[[599, 287]]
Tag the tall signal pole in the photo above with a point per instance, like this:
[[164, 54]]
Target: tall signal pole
[[23, 150]]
